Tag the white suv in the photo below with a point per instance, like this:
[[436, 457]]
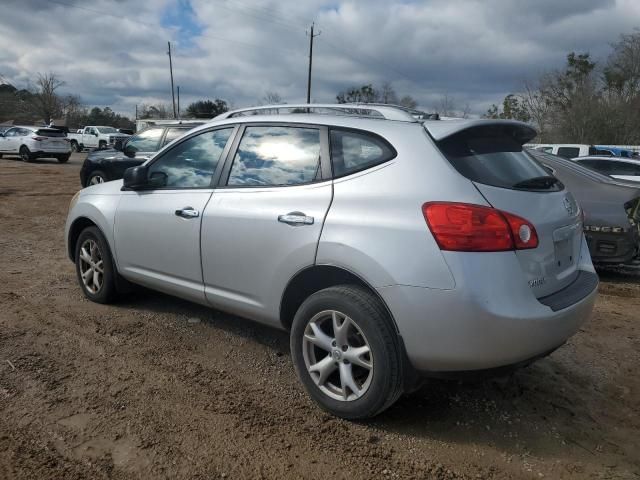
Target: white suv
[[35, 142]]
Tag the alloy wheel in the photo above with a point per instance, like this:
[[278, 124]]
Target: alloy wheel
[[95, 180], [91, 266], [337, 355]]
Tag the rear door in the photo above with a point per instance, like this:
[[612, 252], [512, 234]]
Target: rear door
[[512, 181], [263, 224]]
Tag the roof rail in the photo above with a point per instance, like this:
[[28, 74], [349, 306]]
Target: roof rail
[[386, 112]]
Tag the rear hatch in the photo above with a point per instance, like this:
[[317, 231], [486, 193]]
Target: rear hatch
[[491, 156], [51, 138]]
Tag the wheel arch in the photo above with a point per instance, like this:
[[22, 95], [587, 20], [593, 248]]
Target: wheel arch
[[76, 228], [315, 278]]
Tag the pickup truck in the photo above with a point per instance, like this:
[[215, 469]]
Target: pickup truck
[[95, 137]]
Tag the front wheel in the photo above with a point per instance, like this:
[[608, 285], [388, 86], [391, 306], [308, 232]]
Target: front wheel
[[94, 266], [25, 154], [102, 145], [346, 352], [76, 147]]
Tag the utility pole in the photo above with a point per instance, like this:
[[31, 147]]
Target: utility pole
[[311, 35], [178, 92], [173, 96]]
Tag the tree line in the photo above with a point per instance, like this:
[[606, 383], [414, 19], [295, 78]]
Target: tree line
[[587, 102]]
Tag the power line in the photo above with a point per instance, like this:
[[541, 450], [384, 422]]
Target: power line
[[311, 36]]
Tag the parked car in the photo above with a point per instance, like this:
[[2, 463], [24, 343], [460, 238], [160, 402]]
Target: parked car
[[616, 167], [570, 150], [35, 142], [387, 246], [611, 209], [95, 137], [106, 165]]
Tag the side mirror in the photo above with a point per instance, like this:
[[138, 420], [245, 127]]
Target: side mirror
[[118, 145], [136, 178], [1, 134], [129, 151], [95, 134]]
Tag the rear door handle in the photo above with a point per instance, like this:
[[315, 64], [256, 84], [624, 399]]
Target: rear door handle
[[295, 219], [187, 212]]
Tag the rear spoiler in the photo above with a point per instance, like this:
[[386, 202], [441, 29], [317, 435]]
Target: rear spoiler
[[520, 131]]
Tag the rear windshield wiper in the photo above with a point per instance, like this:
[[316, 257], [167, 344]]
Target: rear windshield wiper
[[537, 182]]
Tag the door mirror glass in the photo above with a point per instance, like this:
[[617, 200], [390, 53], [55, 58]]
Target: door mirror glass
[[135, 178]]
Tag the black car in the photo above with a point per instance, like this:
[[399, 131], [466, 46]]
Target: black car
[[611, 209], [106, 165]]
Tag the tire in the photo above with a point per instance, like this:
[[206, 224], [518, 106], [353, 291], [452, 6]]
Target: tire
[[75, 147], [376, 387], [102, 145], [63, 158], [96, 177], [0, 155], [25, 154], [92, 251]]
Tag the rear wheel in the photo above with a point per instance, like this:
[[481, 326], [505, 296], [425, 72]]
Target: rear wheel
[[346, 352], [96, 178], [94, 266], [63, 158], [25, 154]]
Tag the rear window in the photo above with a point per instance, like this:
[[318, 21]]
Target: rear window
[[50, 132], [568, 152], [492, 157]]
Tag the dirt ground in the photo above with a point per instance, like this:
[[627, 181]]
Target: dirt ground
[[155, 387]]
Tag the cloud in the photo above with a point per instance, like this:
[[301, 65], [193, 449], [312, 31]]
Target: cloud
[[114, 52]]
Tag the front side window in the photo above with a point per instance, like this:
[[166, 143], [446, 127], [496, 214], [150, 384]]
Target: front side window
[[146, 141], [13, 132], [192, 163], [354, 151], [276, 156]]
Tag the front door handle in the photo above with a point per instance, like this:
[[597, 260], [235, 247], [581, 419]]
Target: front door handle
[[187, 212], [295, 219]]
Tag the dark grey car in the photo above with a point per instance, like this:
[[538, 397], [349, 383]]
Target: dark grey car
[[611, 208]]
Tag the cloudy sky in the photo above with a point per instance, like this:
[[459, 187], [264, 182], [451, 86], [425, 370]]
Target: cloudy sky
[[113, 52]]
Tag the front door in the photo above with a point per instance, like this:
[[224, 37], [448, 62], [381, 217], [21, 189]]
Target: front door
[[263, 225], [10, 141], [157, 232]]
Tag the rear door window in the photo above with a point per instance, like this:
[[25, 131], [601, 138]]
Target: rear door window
[[492, 157], [173, 133], [352, 151], [146, 141], [276, 156]]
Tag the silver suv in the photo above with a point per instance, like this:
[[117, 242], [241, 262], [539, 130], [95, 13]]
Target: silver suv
[[390, 247]]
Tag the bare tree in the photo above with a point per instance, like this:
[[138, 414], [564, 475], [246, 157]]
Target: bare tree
[[408, 101], [387, 94], [445, 106], [271, 98], [46, 100]]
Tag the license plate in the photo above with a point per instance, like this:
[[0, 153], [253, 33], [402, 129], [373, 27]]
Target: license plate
[[564, 242]]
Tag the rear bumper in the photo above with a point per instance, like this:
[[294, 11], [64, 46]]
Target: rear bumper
[[51, 152], [489, 320]]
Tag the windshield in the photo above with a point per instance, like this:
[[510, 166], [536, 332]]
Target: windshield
[[107, 130], [490, 156]]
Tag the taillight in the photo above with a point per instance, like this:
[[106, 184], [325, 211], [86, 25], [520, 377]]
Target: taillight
[[38, 139], [463, 227]]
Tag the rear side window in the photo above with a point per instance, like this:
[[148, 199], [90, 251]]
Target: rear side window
[[274, 156], [50, 132], [568, 152], [492, 157], [353, 151]]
